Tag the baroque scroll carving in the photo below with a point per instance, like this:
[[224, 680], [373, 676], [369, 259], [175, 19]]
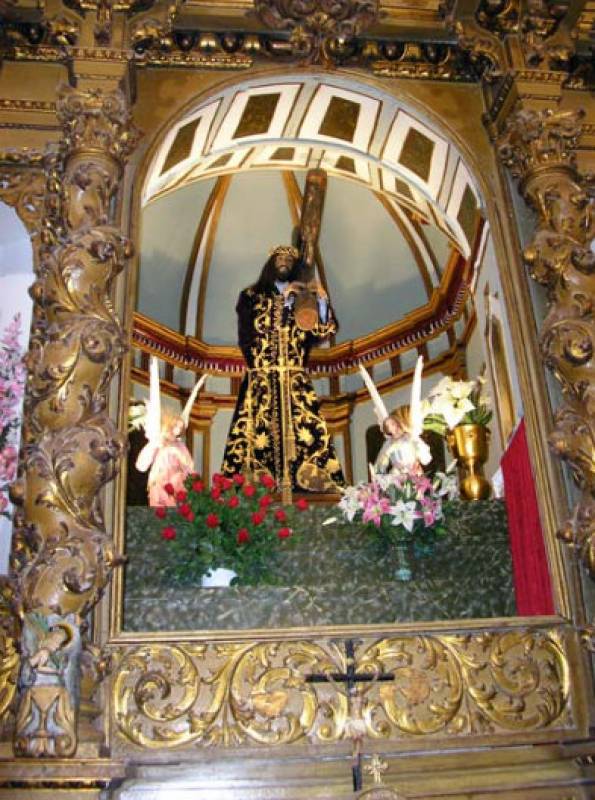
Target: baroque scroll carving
[[482, 46], [538, 147], [71, 447], [168, 696]]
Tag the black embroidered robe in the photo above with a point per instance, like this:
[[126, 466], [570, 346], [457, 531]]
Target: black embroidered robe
[[255, 441]]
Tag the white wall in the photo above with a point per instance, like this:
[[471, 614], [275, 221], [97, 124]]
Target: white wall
[[477, 353], [16, 275]]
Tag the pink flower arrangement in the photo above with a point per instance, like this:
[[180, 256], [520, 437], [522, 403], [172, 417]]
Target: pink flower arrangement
[[12, 384], [403, 503]]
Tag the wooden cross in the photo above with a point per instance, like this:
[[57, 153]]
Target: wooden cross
[[351, 677], [308, 233]]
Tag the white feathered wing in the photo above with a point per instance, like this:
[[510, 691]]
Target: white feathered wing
[[379, 407], [416, 416], [152, 419], [190, 402]]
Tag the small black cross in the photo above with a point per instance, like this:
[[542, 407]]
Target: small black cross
[[351, 677]]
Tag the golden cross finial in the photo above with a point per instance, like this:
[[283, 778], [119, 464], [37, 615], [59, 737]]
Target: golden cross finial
[[376, 768]]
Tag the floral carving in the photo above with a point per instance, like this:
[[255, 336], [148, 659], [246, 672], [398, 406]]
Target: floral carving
[[540, 22], [224, 694], [539, 149], [317, 26], [499, 16]]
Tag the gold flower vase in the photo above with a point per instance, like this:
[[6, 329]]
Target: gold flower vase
[[469, 445]]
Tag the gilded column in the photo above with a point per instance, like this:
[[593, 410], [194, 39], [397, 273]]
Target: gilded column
[[538, 147], [63, 556]]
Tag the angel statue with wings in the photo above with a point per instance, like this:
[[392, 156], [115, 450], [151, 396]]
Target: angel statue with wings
[[165, 455], [403, 448]]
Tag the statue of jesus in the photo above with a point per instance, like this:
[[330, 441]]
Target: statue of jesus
[[277, 429]]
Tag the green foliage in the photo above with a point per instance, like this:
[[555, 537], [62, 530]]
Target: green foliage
[[232, 525]]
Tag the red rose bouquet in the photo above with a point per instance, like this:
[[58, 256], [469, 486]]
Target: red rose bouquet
[[231, 525]]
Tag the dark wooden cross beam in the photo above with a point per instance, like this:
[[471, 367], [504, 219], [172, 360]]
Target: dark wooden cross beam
[[351, 677], [311, 219]]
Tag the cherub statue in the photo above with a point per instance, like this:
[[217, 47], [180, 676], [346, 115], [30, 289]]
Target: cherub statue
[[165, 455], [404, 448]]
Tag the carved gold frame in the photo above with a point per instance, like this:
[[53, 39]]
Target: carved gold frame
[[255, 677], [205, 653]]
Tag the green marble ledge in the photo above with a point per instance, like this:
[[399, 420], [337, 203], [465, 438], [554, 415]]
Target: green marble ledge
[[333, 575]]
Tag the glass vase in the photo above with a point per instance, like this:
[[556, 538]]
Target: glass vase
[[404, 571]]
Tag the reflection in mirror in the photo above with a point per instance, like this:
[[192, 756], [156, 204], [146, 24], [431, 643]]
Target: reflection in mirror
[[340, 502]]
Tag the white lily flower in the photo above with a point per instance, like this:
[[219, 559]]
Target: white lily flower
[[446, 483], [404, 514], [441, 387], [349, 503], [452, 410], [461, 389]]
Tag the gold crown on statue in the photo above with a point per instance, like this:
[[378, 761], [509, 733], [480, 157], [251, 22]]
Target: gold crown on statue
[[285, 250]]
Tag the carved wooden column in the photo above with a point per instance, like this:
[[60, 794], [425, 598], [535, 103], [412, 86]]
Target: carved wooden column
[[538, 147], [71, 447]]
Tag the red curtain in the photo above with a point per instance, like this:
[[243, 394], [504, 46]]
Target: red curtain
[[532, 583]]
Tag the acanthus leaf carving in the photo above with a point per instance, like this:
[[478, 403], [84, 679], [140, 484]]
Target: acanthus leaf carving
[[167, 696], [539, 24], [71, 447], [96, 122]]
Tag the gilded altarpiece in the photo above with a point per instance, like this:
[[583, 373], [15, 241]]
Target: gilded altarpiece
[[96, 701]]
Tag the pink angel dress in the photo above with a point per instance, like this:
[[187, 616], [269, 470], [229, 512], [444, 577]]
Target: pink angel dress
[[169, 462]]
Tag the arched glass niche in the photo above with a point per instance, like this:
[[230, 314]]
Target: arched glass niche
[[408, 256]]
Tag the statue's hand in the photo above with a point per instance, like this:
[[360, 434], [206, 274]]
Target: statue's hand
[[317, 287], [295, 287]]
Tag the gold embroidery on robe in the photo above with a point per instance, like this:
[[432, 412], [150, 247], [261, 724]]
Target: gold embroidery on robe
[[254, 444]]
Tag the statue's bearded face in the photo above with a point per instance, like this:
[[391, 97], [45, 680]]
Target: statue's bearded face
[[283, 265]]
